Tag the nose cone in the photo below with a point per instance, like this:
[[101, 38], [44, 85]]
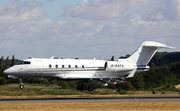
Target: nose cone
[[6, 71]]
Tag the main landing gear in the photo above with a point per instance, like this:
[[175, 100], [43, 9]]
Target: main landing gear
[[21, 83], [90, 88], [84, 87]]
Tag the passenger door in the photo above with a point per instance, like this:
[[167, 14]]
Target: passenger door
[[39, 68]]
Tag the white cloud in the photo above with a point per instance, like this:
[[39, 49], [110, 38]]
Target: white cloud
[[136, 20], [163, 10], [18, 12], [92, 29], [105, 9], [99, 28], [97, 9]]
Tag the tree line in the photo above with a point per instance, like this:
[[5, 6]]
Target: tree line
[[164, 73]]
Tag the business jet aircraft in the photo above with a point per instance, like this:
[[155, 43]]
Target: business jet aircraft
[[102, 72]]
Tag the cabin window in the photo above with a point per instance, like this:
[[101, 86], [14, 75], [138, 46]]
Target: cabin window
[[62, 66], [76, 66], [50, 66], [56, 66], [69, 66], [83, 66]]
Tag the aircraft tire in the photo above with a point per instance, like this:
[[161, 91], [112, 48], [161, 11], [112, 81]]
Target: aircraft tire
[[21, 86], [83, 87], [90, 88]]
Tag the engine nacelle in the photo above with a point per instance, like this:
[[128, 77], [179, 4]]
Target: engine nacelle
[[113, 66]]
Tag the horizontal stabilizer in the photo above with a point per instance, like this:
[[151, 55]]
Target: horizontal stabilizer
[[168, 47]]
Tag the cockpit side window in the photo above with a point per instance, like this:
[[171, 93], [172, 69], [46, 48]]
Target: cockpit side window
[[23, 62], [26, 62]]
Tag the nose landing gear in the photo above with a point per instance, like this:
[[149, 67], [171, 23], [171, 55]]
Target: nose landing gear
[[21, 86], [21, 83]]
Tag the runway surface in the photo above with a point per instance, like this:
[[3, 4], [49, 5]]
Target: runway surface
[[91, 99]]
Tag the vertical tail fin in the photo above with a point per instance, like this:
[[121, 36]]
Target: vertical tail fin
[[144, 54]]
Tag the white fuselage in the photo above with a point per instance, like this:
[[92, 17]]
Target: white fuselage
[[70, 68], [98, 71]]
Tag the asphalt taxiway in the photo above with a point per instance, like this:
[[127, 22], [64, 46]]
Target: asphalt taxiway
[[91, 99]]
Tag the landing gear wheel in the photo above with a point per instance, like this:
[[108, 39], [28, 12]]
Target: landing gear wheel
[[90, 88], [21, 86], [83, 87], [21, 83]]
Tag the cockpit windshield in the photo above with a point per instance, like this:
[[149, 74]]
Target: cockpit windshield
[[23, 62]]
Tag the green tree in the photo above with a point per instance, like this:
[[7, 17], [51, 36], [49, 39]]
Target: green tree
[[1, 66], [123, 57], [36, 80], [7, 61], [63, 84], [13, 60], [54, 81], [2, 61], [72, 84], [2, 81], [112, 58], [138, 82], [126, 85], [45, 81]]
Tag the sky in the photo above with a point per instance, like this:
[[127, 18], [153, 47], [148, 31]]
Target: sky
[[86, 29]]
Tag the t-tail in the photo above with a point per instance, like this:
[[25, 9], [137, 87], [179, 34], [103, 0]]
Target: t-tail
[[143, 55]]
